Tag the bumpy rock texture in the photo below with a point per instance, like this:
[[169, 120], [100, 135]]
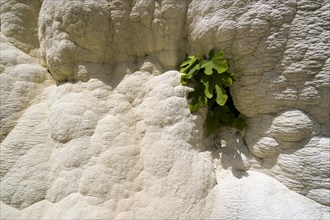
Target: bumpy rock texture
[[95, 124]]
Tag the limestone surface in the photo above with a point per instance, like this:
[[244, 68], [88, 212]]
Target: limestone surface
[[95, 123]]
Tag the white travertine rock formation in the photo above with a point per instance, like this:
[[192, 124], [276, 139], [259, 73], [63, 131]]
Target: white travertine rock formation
[[19, 22], [95, 123], [117, 32]]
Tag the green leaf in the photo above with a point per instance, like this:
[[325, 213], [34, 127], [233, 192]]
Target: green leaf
[[197, 98], [192, 60], [194, 107], [211, 53], [225, 80], [225, 117], [239, 123], [203, 99], [221, 95], [192, 72], [220, 66], [232, 76], [220, 110], [209, 86], [212, 123], [211, 82], [197, 102], [191, 95], [220, 55], [183, 81], [194, 103], [231, 117]]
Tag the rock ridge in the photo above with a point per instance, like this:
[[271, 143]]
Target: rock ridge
[[95, 123]]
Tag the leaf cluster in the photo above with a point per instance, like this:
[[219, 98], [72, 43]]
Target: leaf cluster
[[211, 82]]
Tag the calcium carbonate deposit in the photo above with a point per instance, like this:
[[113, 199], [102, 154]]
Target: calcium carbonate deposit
[[95, 123]]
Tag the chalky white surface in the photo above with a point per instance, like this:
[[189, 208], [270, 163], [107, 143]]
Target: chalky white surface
[[112, 137]]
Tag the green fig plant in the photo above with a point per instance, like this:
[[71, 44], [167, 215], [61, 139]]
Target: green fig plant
[[211, 81]]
